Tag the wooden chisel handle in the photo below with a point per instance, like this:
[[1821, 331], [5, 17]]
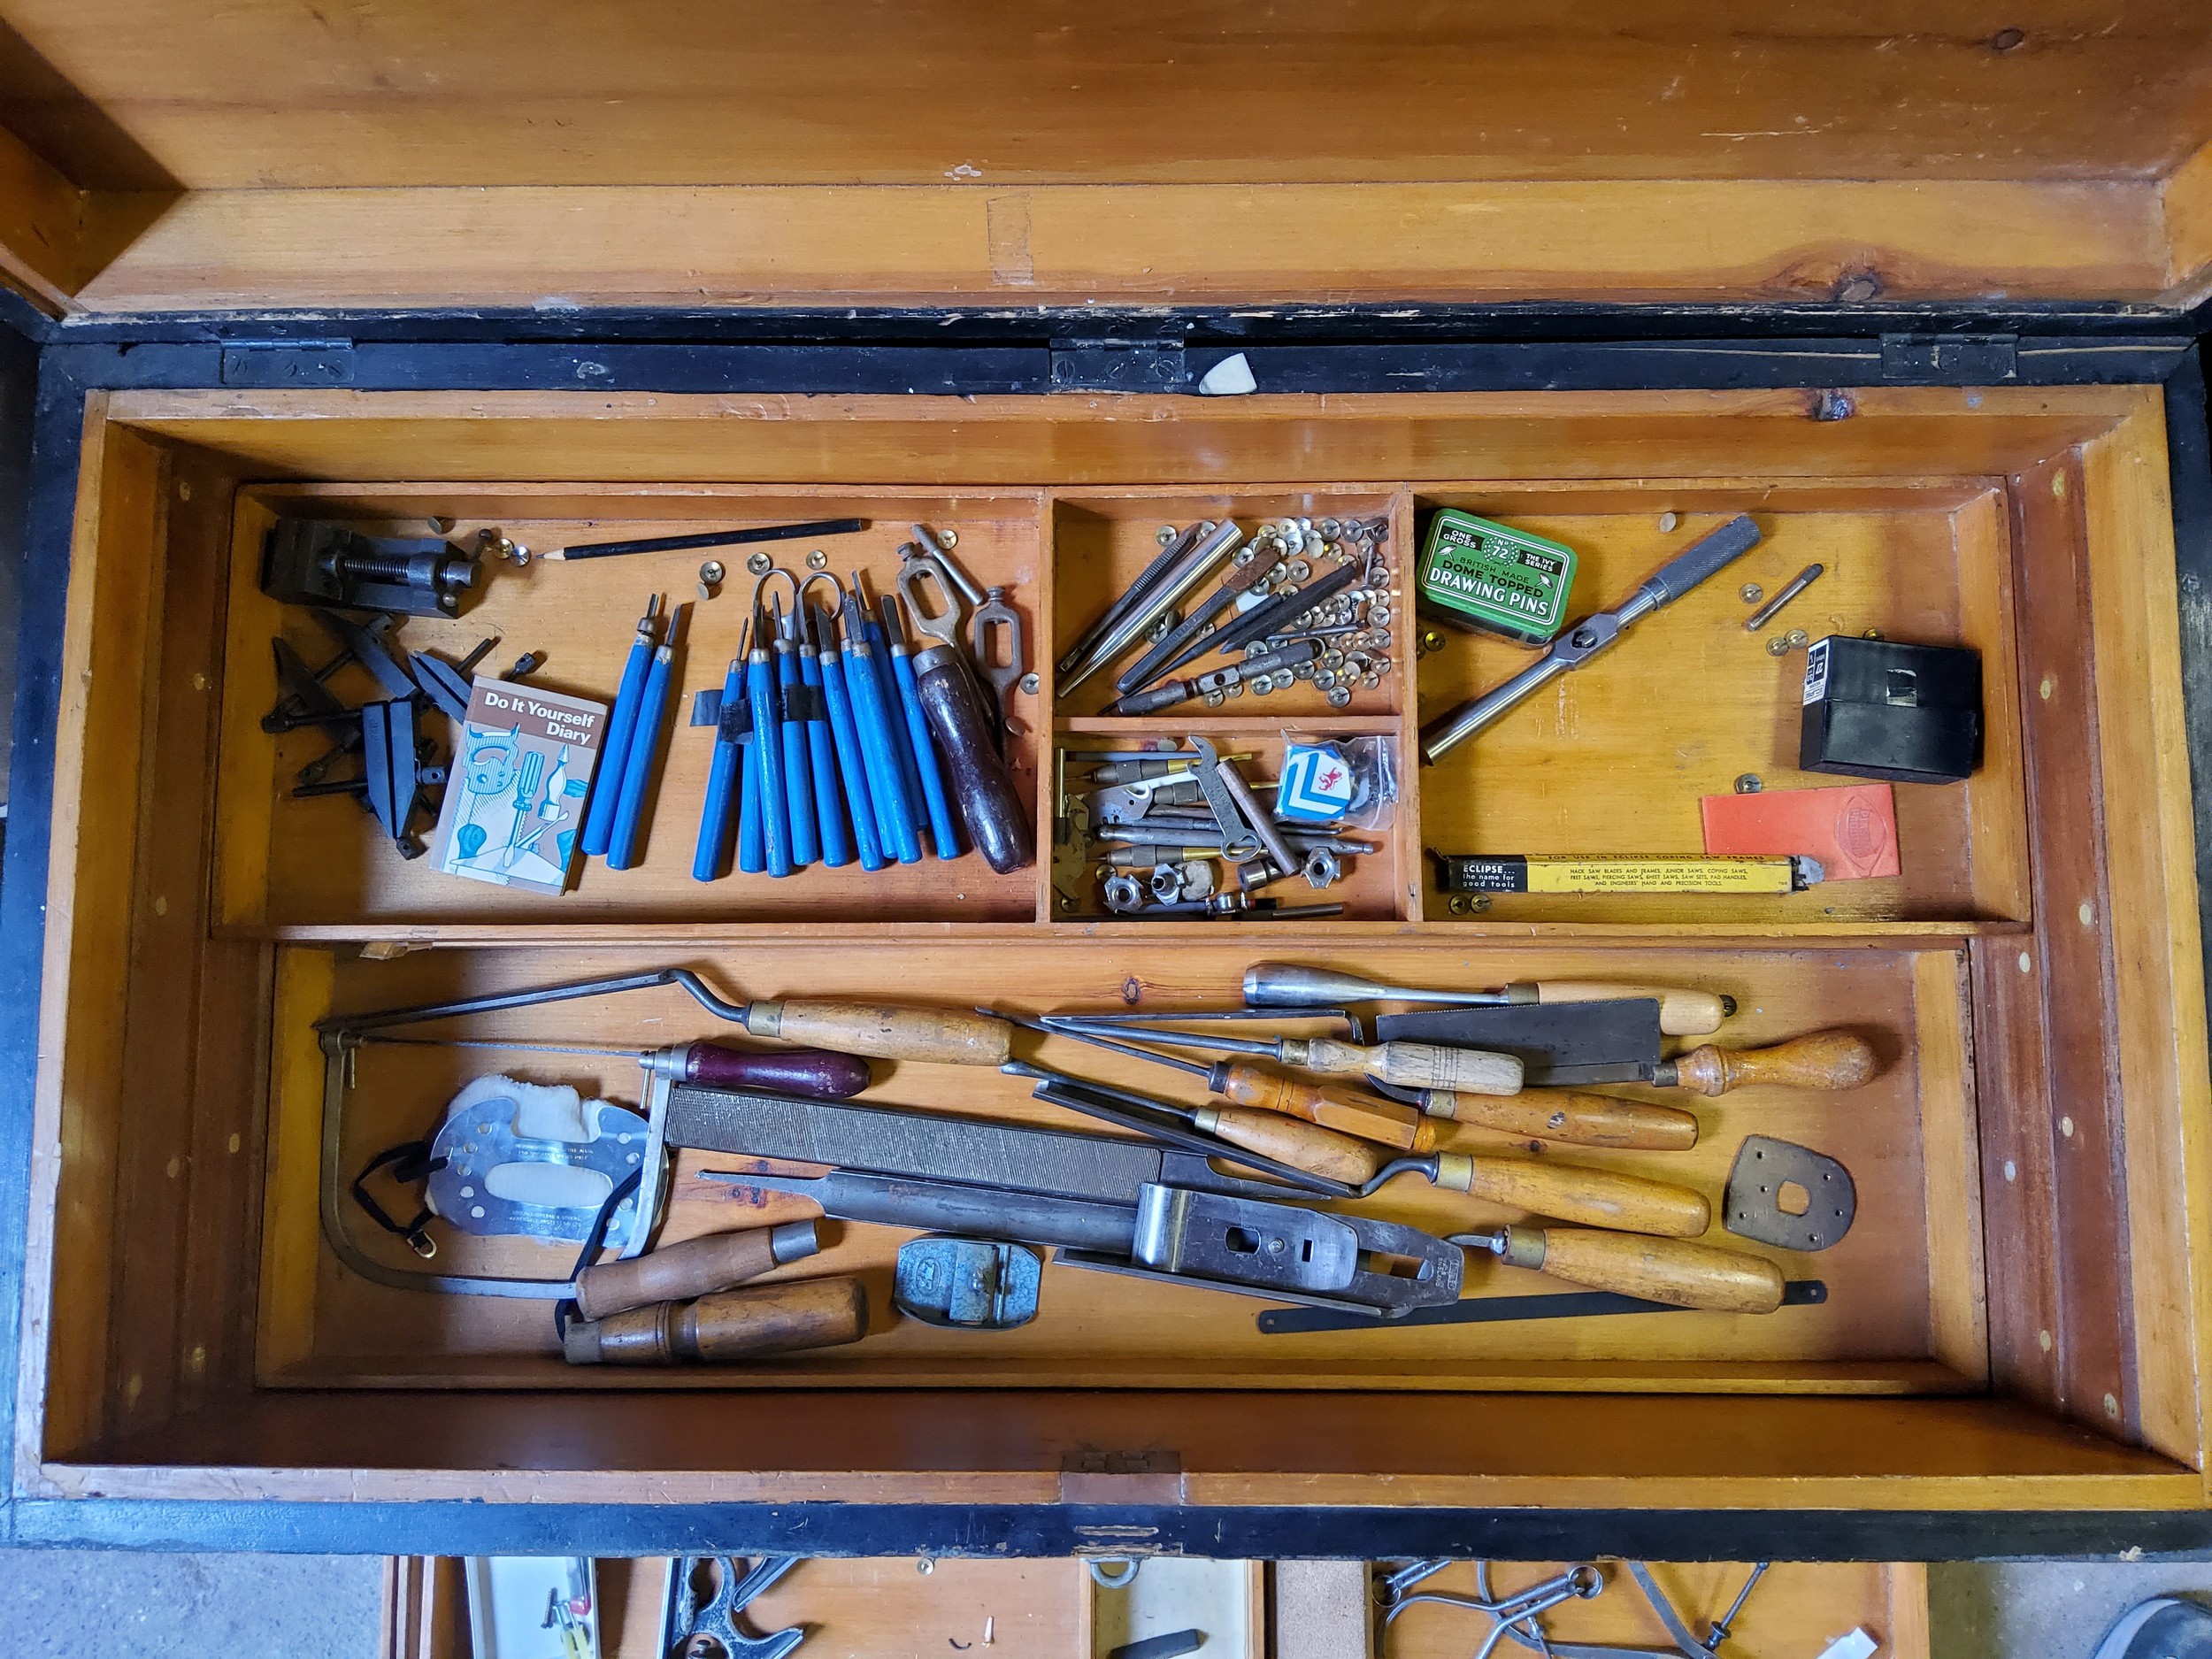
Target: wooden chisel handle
[[1681, 1013], [1589, 1198], [889, 1033], [1303, 1146], [697, 1267], [1659, 1270], [1585, 1120], [1825, 1060], [732, 1324], [1369, 1116], [1411, 1064]]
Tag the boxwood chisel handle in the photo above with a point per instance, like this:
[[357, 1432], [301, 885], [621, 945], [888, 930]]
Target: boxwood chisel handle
[[981, 782], [852, 762], [1303, 1146], [871, 718], [1593, 634], [1825, 1060], [1587, 1120], [710, 857], [829, 816], [1658, 1269], [731, 1324], [696, 1267], [1409, 1064], [644, 750], [798, 778], [1585, 1197], [886, 1032], [944, 834], [621, 721]]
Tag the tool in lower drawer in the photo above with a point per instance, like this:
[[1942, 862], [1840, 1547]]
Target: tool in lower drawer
[[689, 1627], [641, 759], [1293, 985], [708, 538], [1664, 1270], [1565, 1304], [1758, 1205], [1597, 1120], [754, 1322], [1415, 1065], [1583, 641], [1598, 1198], [696, 1267], [820, 1073], [315, 562], [966, 1284], [1177, 1235], [621, 722]]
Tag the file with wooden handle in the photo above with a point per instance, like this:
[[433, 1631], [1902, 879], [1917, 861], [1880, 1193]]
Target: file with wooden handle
[[1824, 1060], [886, 1032], [1659, 1270]]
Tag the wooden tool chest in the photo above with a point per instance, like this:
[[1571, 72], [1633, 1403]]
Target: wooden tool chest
[[1915, 295]]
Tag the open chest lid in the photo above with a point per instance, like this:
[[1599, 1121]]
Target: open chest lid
[[269, 155]]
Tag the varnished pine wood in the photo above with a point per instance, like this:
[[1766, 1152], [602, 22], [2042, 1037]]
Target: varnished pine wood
[[940, 244]]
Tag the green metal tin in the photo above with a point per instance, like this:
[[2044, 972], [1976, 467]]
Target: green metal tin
[[1495, 578]]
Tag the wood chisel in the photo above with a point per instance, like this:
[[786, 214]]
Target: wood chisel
[[1293, 985], [1662, 1269], [1418, 1065], [1579, 1120], [1597, 1198]]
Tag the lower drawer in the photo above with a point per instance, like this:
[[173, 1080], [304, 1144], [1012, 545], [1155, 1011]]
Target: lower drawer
[[2014, 1325], [893, 1607]]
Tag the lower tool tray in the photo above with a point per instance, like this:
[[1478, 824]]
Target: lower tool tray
[[1904, 1288]]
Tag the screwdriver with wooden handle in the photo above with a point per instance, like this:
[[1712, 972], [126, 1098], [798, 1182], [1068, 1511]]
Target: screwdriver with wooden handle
[[1368, 1116], [1292, 985], [1658, 1269], [730, 1325], [1407, 1064]]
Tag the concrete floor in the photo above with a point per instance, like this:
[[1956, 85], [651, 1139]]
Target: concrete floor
[[64, 1604]]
